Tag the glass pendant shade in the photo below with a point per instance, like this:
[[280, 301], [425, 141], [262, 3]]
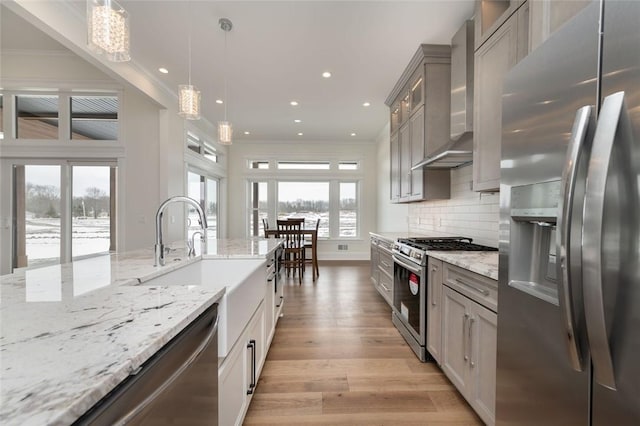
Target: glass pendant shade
[[189, 102], [108, 29], [224, 132]]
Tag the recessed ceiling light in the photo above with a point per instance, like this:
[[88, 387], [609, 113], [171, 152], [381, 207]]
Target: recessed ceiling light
[[294, 103], [219, 101], [366, 104], [353, 134], [247, 133], [300, 133], [326, 74], [297, 121], [163, 70]]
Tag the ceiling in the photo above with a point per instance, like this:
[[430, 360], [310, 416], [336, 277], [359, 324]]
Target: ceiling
[[276, 53]]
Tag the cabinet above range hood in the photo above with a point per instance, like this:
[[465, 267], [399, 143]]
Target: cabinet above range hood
[[458, 151]]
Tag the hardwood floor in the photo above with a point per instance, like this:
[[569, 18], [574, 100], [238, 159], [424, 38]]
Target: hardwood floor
[[336, 359]]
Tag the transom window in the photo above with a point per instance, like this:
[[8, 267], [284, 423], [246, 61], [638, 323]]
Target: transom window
[[304, 165]]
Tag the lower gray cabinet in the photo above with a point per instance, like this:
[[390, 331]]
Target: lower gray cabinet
[[469, 345]]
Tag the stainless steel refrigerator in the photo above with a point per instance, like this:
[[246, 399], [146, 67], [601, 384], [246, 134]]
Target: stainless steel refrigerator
[[569, 279]]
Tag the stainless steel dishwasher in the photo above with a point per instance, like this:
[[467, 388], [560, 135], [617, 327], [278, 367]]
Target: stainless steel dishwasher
[[177, 386]]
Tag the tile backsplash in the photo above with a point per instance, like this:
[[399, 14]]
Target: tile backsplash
[[466, 213]]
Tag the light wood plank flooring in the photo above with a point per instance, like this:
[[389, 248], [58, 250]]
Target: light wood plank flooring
[[336, 359]]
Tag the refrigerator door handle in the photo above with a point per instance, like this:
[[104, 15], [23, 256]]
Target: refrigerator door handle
[[611, 116], [568, 294]]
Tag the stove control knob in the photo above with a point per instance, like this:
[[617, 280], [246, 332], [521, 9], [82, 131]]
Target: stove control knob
[[418, 256]]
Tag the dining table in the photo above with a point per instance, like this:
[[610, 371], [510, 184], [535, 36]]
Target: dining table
[[313, 233]]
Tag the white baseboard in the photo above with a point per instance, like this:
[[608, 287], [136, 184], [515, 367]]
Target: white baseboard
[[344, 256]]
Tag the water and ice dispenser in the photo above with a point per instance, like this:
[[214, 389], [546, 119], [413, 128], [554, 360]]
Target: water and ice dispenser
[[532, 261]]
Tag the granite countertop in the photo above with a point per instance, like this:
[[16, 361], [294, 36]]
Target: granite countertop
[[239, 248], [70, 333], [481, 262]]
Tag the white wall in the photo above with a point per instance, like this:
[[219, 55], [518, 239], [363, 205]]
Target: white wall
[[391, 217], [238, 174], [466, 213]]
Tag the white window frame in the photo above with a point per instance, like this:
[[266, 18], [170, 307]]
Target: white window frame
[[334, 176], [62, 151], [203, 195]]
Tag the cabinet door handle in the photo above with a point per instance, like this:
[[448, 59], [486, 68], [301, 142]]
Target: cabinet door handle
[[280, 304], [432, 284], [252, 385], [464, 337], [471, 321], [385, 287], [482, 291]]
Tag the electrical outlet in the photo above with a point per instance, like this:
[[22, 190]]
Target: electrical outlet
[[343, 247]]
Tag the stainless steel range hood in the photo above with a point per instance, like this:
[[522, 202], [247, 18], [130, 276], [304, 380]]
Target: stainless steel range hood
[[455, 153], [459, 150]]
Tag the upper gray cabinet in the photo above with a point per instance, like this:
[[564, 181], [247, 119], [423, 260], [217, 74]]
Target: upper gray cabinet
[[505, 32], [502, 34], [419, 115], [546, 16]]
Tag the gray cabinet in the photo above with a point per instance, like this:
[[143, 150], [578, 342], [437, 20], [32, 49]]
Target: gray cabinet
[[469, 337], [419, 115], [546, 16], [434, 308], [382, 267], [505, 46], [395, 168]]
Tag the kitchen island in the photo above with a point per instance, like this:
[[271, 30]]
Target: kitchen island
[[70, 333]]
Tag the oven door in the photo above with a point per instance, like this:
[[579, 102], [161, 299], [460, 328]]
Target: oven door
[[410, 296]]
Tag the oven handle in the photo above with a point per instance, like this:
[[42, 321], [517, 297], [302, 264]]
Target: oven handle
[[404, 264]]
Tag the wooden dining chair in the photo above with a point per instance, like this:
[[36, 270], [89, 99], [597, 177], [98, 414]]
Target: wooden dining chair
[[265, 226], [291, 232], [312, 244]]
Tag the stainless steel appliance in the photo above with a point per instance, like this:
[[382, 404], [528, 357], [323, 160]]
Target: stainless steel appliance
[[410, 286], [569, 279], [177, 386]]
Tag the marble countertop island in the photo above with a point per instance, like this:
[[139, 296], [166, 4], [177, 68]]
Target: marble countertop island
[[70, 333]]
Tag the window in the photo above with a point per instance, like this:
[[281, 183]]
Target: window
[[348, 209], [308, 200], [203, 189], [197, 145], [52, 227], [259, 208], [348, 165], [325, 190], [259, 165], [94, 117], [91, 210], [37, 117], [304, 165], [38, 223]]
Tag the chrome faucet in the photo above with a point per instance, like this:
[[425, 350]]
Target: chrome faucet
[[159, 246], [191, 244]]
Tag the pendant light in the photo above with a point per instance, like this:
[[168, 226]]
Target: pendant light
[[108, 30], [189, 95], [224, 127]]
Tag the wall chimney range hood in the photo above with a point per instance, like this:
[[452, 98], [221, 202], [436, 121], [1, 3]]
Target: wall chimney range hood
[[459, 150]]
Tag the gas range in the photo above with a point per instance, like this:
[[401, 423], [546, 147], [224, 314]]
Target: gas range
[[414, 249]]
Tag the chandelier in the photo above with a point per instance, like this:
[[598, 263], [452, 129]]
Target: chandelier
[[108, 29], [189, 95], [225, 130]]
